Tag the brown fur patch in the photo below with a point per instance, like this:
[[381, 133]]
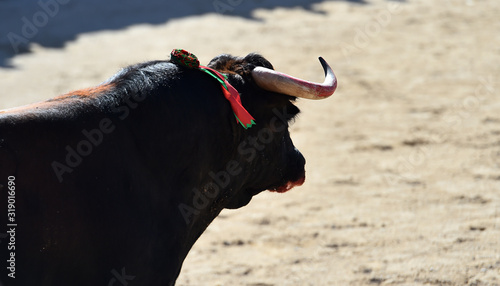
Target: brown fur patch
[[85, 93], [29, 107], [90, 92]]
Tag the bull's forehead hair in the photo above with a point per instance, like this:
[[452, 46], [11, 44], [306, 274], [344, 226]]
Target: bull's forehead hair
[[240, 65]]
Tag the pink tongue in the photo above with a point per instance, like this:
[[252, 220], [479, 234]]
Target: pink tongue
[[288, 186]]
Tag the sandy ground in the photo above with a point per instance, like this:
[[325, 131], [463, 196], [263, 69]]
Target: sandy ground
[[403, 163]]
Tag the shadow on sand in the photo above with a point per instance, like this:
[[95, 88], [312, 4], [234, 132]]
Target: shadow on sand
[[52, 23]]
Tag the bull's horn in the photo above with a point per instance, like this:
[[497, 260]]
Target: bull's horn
[[272, 80]]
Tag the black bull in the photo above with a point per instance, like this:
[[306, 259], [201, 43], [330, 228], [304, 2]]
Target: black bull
[[113, 185]]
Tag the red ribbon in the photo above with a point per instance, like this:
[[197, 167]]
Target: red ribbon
[[233, 96]]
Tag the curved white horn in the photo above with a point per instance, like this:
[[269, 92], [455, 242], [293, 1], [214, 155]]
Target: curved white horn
[[272, 80]]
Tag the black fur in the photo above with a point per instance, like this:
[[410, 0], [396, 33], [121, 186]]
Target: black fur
[[152, 182]]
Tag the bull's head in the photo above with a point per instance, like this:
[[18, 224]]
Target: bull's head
[[269, 159]]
